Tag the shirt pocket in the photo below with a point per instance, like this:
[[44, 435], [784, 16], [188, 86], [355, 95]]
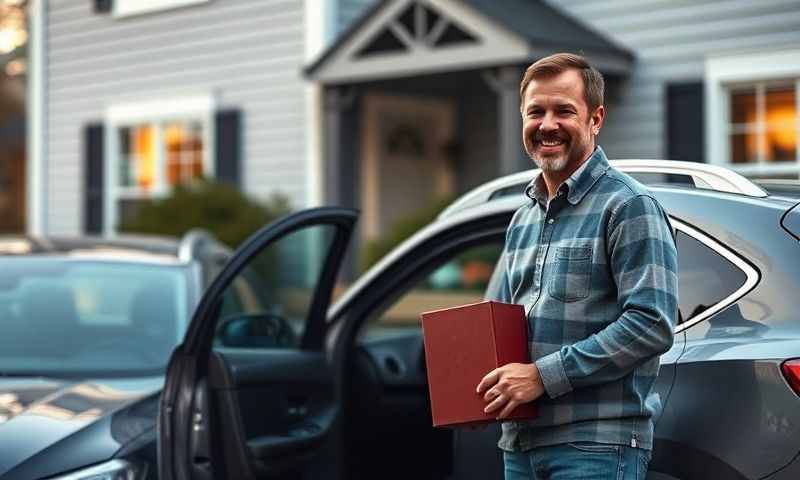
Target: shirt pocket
[[571, 277]]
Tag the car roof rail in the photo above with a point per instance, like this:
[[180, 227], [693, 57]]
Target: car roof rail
[[191, 242], [780, 187], [702, 175]]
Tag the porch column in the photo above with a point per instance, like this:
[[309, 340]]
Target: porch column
[[504, 81], [341, 162], [340, 139]]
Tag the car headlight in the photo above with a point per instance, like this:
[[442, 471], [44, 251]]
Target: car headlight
[[112, 470]]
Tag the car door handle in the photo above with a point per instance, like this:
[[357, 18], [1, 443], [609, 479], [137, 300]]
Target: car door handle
[[296, 440]]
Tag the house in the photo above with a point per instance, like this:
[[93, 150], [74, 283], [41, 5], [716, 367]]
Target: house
[[134, 96], [382, 105]]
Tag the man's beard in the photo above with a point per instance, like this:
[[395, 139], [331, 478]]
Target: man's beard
[[550, 163]]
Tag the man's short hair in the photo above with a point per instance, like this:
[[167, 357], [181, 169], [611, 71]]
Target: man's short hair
[[593, 84]]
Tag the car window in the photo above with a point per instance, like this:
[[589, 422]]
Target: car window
[[267, 304], [460, 279], [67, 317], [212, 266], [704, 276]]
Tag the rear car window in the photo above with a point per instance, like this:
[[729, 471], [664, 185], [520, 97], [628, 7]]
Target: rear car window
[[705, 277]]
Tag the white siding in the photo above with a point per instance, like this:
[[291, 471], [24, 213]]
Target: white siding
[[671, 39], [248, 54]]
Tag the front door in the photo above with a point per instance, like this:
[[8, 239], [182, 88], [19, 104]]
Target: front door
[[406, 161], [251, 393]]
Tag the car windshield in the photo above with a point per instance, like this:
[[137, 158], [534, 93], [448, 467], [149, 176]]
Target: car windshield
[[66, 318]]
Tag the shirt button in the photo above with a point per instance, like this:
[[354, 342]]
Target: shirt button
[[551, 221]]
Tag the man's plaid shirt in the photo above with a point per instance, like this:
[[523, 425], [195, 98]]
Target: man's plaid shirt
[[596, 272]]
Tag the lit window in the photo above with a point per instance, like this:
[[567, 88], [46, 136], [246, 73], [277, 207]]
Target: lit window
[[184, 144], [763, 123], [155, 156]]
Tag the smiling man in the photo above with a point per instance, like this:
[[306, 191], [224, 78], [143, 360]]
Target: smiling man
[[592, 258]]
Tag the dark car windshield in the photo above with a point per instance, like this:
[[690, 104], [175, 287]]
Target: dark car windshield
[[65, 317]]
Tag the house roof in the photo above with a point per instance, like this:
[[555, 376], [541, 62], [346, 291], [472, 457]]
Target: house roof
[[542, 24], [508, 32]]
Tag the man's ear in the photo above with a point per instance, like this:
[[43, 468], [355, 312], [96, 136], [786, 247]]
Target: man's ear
[[597, 118]]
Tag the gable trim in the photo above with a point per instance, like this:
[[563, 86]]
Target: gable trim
[[495, 45]]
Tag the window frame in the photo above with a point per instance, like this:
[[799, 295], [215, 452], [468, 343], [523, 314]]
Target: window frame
[[248, 283], [157, 113], [752, 276], [727, 74], [129, 8]]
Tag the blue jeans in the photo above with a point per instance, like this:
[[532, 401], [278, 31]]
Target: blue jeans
[[579, 460]]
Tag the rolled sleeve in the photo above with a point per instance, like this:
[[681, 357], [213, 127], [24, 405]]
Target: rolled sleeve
[[554, 377]]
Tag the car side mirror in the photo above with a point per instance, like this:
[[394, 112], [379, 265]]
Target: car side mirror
[[260, 330]]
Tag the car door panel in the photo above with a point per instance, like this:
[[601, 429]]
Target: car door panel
[[200, 447], [250, 412], [286, 398]]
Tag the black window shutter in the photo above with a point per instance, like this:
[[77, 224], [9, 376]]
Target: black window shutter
[[103, 6], [94, 167], [227, 156], [685, 129]]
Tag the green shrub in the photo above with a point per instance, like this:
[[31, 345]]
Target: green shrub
[[375, 249], [219, 208]]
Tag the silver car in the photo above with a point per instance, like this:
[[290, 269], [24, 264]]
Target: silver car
[[291, 388]]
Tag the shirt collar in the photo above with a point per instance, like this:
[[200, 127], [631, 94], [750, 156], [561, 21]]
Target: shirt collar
[[578, 184]]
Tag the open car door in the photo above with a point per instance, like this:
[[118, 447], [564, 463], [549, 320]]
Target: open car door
[[251, 393]]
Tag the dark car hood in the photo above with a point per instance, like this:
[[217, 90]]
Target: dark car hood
[[86, 419]]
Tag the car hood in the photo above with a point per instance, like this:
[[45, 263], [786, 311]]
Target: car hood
[[48, 426]]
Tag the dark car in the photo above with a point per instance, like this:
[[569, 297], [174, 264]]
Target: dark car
[[88, 325]]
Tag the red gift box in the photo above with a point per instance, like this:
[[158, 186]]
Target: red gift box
[[462, 345]]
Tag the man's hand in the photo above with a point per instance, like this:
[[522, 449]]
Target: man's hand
[[510, 385]]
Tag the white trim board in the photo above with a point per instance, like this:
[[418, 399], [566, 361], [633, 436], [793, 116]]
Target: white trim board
[[159, 109], [721, 71], [128, 8], [318, 29], [495, 46], [36, 176]]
